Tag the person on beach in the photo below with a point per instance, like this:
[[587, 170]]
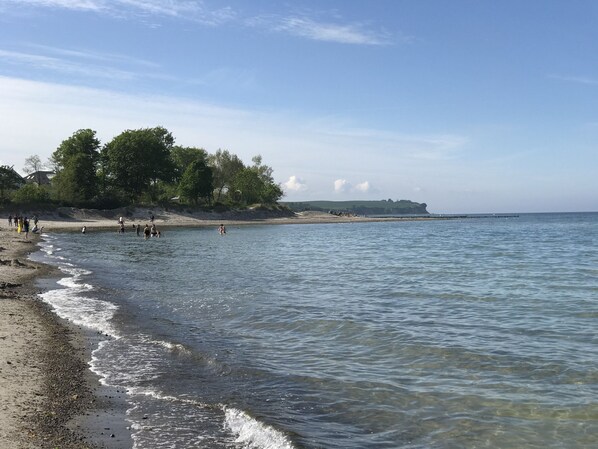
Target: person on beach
[[221, 229], [138, 229], [26, 227], [10, 220], [35, 220], [152, 218], [146, 232], [20, 225]]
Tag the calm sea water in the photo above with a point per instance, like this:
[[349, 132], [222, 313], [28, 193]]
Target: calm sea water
[[466, 333]]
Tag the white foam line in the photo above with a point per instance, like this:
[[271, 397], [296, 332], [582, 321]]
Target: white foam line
[[253, 434]]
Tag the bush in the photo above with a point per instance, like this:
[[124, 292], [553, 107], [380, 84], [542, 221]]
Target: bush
[[32, 194]]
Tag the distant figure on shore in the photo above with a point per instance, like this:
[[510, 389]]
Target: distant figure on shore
[[83, 229], [26, 227], [138, 230], [121, 221], [146, 232], [20, 225], [121, 230], [152, 218], [35, 220], [221, 229], [10, 220]]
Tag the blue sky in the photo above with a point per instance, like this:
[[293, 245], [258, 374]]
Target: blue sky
[[468, 106]]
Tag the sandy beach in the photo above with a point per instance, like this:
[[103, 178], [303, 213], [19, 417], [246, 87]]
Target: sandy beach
[[48, 397]]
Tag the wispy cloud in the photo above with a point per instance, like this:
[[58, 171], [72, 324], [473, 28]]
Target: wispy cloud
[[83, 54], [48, 63], [313, 27], [327, 30], [353, 33], [192, 10], [575, 79]]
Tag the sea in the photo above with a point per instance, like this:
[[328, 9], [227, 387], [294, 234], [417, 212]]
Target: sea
[[451, 333]]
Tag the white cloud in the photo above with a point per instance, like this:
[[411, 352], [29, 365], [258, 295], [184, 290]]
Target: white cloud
[[341, 186], [295, 184], [363, 187]]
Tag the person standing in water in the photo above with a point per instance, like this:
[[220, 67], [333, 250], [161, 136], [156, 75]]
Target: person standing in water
[[221, 229]]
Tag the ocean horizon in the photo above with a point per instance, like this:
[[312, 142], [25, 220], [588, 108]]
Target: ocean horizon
[[461, 333]]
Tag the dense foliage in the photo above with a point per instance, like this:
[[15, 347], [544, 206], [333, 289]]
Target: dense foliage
[[9, 180], [140, 166]]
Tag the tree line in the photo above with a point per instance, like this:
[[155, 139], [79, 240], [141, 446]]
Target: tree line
[[138, 167]]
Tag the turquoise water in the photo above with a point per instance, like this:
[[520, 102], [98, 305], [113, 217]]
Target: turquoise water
[[464, 333]]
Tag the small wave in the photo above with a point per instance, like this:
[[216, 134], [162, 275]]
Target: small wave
[[253, 434], [138, 391], [72, 284], [90, 313], [174, 347]]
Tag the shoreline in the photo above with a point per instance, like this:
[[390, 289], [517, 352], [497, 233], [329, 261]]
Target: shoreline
[[50, 397]]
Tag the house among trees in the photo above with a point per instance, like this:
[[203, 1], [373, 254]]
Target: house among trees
[[40, 177]]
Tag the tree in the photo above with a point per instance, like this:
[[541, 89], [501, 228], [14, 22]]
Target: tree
[[31, 194], [182, 157], [248, 185], [76, 162], [9, 180], [225, 167], [256, 184], [197, 182], [137, 159], [33, 164]]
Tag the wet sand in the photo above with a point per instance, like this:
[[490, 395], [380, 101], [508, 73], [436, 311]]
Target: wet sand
[[43, 372]]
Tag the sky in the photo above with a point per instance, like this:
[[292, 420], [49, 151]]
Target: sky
[[469, 106]]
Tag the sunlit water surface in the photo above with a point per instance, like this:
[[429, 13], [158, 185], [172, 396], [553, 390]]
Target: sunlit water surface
[[466, 333]]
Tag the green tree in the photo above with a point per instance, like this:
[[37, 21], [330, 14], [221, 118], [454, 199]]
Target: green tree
[[225, 167], [255, 184], [197, 182], [248, 186], [9, 180], [31, 193], [76, 163], [182, 157], [135, 160]]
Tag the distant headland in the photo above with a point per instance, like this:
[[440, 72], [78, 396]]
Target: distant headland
[[380, 207]]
